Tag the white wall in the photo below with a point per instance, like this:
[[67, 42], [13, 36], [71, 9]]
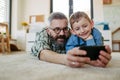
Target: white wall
[[15, 17], [98, 10], [21, 10], [112, 14], [36, 7]]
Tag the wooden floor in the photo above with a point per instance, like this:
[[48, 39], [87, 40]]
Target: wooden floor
[[14, 52]]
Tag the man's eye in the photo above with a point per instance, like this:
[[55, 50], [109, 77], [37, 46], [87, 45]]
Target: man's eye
[[65, 28], [56, 29]]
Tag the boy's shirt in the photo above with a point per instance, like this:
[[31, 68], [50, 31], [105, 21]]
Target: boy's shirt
[[90, 42], [75, 41]]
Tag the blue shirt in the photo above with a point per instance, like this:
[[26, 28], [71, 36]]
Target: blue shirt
[[75, 41], [90, 42]]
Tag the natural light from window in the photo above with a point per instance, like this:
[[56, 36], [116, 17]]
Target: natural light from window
[[61, 6], [82, 5], [78, 5]]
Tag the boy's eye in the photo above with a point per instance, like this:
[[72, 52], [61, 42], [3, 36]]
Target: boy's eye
[[77, 28], [84, 26]]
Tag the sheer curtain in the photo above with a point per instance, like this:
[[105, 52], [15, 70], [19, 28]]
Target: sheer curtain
[[4, 11]]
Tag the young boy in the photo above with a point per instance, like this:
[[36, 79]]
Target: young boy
[[83, 32]]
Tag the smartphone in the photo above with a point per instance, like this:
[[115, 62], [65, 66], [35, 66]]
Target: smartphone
[[93, 51]]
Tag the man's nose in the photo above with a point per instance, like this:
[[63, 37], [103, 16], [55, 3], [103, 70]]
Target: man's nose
[[62, 32]]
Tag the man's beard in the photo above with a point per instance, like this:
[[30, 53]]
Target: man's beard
[[60, 44]]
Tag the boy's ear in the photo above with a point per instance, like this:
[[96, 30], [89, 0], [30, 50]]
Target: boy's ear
[[72, 32], [92, 23]]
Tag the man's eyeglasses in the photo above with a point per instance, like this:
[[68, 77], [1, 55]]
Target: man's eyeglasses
[[58, 30]]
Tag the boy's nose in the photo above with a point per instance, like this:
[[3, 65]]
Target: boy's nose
[[81, 30]]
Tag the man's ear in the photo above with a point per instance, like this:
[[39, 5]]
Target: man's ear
[[72, 31], [47, 30]]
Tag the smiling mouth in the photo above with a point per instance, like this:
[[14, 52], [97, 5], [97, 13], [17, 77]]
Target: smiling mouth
[[83, 34], [61, 39]]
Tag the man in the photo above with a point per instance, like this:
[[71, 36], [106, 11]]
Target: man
[[50, 45]]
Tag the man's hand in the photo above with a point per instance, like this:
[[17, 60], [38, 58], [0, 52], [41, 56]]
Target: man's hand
[[51, 33], [73, 58]]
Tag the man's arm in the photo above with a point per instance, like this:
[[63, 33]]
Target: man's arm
[[70, 59], [53, 57]]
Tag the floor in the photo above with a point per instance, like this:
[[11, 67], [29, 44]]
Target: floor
[[14, 52], [22, 52]]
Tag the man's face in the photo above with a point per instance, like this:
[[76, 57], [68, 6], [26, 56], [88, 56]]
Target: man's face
[[82, 28], [60, 29]]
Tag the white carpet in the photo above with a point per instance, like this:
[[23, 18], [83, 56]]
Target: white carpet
[[23, 66]]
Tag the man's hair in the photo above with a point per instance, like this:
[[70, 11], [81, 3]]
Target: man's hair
[[56, 15], [75, 17]]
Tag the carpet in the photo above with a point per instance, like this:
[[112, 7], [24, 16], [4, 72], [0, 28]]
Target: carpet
[[23, 66]]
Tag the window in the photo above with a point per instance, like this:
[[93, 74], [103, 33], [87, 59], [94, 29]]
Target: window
[[5, 10], [70, 6], [59, 5]]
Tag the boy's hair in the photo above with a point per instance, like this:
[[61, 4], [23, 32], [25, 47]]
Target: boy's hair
[[75, 17], [56, 15]]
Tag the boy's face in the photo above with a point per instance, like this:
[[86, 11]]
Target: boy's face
[[82, 28]]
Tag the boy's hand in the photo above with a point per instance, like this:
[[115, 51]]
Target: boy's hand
[[104, 58]]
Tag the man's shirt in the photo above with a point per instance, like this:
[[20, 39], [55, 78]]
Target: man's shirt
[[44, 42]]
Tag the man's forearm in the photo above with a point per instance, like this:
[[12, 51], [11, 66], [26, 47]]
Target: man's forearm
[[50, 56]]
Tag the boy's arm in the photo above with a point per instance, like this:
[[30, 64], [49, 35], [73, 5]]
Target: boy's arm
[[72, 42]]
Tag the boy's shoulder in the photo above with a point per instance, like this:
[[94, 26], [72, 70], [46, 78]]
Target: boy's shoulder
[[95, 31], [73, 36]]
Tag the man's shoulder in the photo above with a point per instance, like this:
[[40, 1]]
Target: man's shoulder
[[42, 31]]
